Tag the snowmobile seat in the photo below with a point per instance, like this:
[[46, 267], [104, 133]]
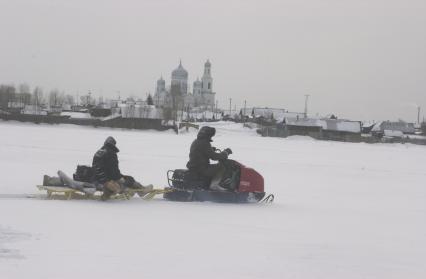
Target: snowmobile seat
[[193, 180], [186, 179]]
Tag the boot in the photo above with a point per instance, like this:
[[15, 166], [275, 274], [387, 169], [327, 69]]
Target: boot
[[148, 188], [106, 194], [216, 187], [225, 183], [113, 186], [230, 183], [144, 189], [234, 181], [52, 181]]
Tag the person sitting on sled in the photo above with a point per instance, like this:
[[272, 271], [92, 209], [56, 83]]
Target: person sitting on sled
[[201, 152], [107, 172]]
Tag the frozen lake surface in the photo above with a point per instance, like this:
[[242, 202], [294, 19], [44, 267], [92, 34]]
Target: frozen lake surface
[[342, 210]]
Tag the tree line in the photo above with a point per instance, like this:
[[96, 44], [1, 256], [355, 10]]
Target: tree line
[[22, 95], [17, 97]]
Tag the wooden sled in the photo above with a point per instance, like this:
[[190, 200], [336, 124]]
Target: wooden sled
[[66, 193]]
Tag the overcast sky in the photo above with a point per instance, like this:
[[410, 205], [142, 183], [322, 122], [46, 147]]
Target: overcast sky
[[359, 59]]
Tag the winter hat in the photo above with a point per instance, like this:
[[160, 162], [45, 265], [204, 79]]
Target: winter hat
[[110, 142], [206, 132]]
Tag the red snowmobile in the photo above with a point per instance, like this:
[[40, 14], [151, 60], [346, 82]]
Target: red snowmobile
[[245, 185]]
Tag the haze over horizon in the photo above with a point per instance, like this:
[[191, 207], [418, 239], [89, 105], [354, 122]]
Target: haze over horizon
[[364, 60]]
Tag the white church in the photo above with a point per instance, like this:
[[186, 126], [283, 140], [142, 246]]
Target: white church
[[202, 91]]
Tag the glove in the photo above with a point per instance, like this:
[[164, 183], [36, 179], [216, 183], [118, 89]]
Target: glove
[[228, 151], [224, 154]]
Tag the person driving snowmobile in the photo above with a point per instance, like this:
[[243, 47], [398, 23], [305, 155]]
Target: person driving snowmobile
[[201, 152]]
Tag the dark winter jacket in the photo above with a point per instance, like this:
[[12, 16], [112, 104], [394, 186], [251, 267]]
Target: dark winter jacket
[[202, 152], [105, 163]]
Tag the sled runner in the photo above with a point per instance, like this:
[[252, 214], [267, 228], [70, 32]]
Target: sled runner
[[82, 186], [64, 192]]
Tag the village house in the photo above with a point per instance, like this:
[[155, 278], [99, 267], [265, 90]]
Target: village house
[[341, 130], [325, 129], [401, 126]]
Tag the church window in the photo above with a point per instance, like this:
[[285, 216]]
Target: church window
[[209, 86]]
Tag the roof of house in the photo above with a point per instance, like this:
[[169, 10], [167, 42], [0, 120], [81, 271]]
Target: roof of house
[[306, 122], [395, 126], [340, 125], [279, 114]]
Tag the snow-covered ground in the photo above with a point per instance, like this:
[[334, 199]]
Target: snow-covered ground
[[342, 210]]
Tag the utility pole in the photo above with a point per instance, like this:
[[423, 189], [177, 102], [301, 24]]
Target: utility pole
[[418, 114], [230, 106], [36, 102], [215, 110], [306, 105], [245, 106], [88, 98]]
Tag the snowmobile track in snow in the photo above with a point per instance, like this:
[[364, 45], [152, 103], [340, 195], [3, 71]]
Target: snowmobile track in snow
[[19, 196]]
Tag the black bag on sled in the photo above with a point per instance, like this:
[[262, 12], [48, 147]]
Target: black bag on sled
[[84, 174]]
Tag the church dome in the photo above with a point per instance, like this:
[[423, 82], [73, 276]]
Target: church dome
[[179, 72]]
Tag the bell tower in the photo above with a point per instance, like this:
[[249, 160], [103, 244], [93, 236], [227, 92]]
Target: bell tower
[[207, 80]]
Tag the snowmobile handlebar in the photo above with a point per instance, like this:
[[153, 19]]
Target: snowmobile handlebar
[[226, 150]]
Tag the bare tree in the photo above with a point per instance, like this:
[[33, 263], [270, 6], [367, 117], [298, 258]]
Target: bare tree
[[87, 100], [177, 99], [55, 98], [168, 113], [24, 88], [7, 94], [37, 98], [149, 100], [69, 99], [24, 94]]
